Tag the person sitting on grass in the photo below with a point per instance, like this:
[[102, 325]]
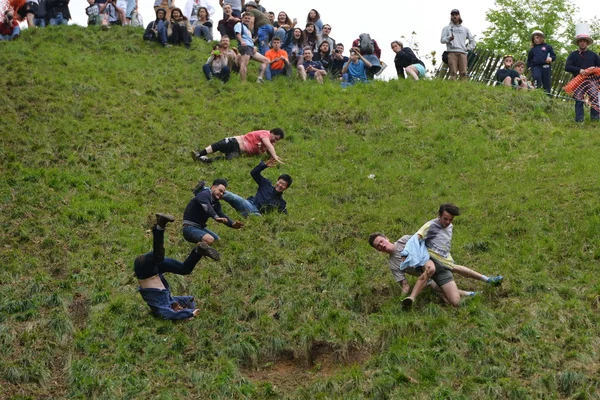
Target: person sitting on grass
[[507, 76], [407, 61], [313, 69], [355, 69], [203, 27], [156, 31], [268, 198], [150, 267], [278, 61], [523, 82], [179, 30], [415, 261], [216, 65], [294, 48], [324, 55], [437, 235], [229, 53], [9, 27], [203, 206], [251, 143], [28, 10]]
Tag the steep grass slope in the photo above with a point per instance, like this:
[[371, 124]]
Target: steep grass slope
[[96, 132]]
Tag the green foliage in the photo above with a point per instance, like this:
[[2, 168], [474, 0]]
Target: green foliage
[[97, 129], [512, 21]]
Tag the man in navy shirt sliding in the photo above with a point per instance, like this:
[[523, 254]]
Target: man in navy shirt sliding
[[267, 198]]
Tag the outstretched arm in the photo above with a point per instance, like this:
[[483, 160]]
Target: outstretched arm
[[271, 149]]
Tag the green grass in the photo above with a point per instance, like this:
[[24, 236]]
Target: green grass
[[96, 132]]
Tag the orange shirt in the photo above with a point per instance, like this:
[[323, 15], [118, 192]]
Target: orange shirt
[[253, 143], [272, 54]]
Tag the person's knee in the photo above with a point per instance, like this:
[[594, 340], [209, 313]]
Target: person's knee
[[428, 271], [208, 239]]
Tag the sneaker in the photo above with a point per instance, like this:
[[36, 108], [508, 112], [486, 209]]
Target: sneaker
[[195, 155], [205, 159], [259, 80], [495, 280], [199, 186], [232, 155], [204, 249], [407, 303], [383, 67], [471, 294], [166, 44], [105, 27], [163, 219]]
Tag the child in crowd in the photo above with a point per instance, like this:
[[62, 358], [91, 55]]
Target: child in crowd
[[507, 76], [216, 65], [541, 56], [523, 82], [355, 70]]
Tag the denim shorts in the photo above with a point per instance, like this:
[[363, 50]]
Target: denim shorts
[[194, 234]]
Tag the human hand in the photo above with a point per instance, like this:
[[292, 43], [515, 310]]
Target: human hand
[[237, 225], [221, 220], [549, 60], [196, 312], [271, 162]]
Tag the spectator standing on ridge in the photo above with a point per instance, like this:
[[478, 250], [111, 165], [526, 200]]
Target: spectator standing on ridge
[[455, 37], [157, 30], [370, 50], [406, 60], [9, 27], [58, 12], [539, 60], [40, 17], [251, 143], [150, 267], [279, 63], [28, 10], [268, 198], [203, 206], [577, 63]]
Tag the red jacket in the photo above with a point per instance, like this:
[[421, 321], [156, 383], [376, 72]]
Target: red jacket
[[6, 29]]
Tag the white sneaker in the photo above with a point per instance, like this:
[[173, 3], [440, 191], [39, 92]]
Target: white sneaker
[[259, 80]]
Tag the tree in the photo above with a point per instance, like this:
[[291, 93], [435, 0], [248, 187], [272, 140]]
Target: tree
[[512, 21]]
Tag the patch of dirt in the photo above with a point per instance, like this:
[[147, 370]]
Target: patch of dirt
[[289, 372], [79, 310]]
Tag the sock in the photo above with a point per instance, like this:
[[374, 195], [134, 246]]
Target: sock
[[471, 294], [203, 153], [485, 278]]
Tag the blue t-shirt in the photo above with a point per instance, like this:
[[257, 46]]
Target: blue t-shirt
[[246, 34], [314, 64], [358, 70]]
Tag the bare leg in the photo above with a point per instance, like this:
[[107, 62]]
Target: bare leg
[[302, 72], [468, 273], [507, 81], [428, 271], [451, 292], [412, 72], [244, 67]]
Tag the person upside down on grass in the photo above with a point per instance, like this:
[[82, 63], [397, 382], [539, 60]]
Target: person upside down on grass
[[150, 267]]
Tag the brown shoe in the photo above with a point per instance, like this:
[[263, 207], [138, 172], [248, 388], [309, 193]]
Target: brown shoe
[[204, 249], [163, 219]]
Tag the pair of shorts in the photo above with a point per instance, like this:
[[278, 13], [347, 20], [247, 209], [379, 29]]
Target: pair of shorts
[[194, 234], [28, 8], [226, 146], [443, 274], [420, 69], [246, 50]]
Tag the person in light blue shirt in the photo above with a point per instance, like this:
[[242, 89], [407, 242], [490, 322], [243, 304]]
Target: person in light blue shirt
[[355, 70]]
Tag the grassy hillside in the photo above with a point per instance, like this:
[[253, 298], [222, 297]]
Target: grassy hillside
[[96, 133]]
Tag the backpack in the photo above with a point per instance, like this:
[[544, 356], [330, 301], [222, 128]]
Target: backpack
[[365, 44]]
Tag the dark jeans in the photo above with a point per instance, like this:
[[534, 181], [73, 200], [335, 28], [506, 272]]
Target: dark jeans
[[223, 75], [153, 263], [542, 77], [180, 35]]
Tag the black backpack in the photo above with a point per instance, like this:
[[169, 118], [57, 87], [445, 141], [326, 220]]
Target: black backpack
[[365, 44]]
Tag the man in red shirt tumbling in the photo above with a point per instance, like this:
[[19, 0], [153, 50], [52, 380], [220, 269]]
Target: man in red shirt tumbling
[[251, 143]]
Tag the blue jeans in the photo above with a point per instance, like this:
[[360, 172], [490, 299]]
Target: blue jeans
[[241, 205], [58, 20], [16, 32], [203, 31], [265, 33], [223, 75], [194, 235], [162, 32], [39, 22], [270, 73]]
